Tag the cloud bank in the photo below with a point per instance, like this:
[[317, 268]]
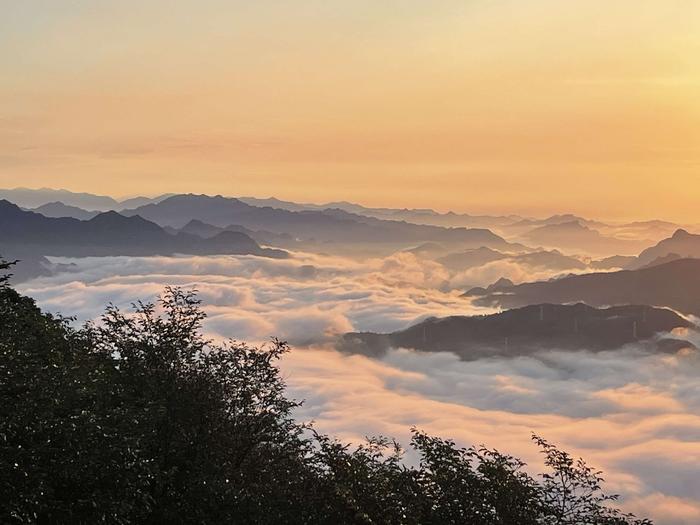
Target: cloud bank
[[633, 414]]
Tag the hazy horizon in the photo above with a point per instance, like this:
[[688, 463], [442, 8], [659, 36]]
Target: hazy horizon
[[466, 106], [495, 211]]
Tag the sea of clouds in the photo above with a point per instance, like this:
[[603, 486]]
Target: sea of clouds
[[633, 414]]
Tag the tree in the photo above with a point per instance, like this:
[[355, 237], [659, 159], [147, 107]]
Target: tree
[[572, 492]]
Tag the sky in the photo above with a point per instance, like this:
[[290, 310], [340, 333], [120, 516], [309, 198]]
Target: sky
[[517, 106]]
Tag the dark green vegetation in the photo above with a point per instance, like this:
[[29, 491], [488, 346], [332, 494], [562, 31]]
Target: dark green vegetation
[[139, 419]]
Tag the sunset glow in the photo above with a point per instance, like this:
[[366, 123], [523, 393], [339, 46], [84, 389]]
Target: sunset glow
[[392, 103]]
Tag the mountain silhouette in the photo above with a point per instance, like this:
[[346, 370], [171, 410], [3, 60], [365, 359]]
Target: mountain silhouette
[[332, 225], [58, 209], [530, 329], [206, 231], [110, 233], [551, 260], [33, 198], [613, 262], [674, 285], [680, 244], [471, 258], [425, 216], [578, 237]]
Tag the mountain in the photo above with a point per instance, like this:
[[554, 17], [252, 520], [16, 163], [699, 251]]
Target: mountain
[[58, 209], [681, 244], [33, 198], [204, 230], [654, 230], [674, 285], [500, 284], [428, 250], [110, 233], [613, 262], [326, 226], [550, 260], [578, 237], [135, 202], [550, 221], [471, 258], [527, 330], [663, 260], [414, 215], [201, 229]]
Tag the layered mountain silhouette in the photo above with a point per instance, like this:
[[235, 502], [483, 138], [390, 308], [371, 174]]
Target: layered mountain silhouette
[[528, 224], [34, 198], [110, 233], [58, 209], [206, 231], [613, 262], [552, 260], [332, 225], [530, 329], [578, 237], [415, 215], [471, 258], [681, 245], [501, 284], [655, 230], [674, 285]]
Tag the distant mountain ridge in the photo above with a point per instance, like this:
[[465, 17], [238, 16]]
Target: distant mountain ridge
[[674, 285], [530, 329], [326, 225], [553, 260], [680, 245], [202, 229], [110, 233], [35, 198], [415, 215], [58, 209], [577, 236]]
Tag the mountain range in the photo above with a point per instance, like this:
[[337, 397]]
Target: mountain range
[[552, 260], [576, 236], [415, 215], [527, 330], [110, 233], [681, 245], [330, 226], [675, 284], [34, 198], [571, 233]]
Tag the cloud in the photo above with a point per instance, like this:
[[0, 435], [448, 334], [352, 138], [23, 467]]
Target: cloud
[[513, 270], [307, 299], [649, 448], [632, 413]]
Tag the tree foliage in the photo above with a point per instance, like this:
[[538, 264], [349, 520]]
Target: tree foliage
[[138, 418]]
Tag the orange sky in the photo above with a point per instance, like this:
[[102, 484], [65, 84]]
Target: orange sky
[[531, 106]]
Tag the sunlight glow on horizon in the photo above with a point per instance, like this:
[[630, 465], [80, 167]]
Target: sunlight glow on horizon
[[495, 106]]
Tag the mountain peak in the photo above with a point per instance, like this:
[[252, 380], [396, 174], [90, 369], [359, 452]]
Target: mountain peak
[[680, 233]]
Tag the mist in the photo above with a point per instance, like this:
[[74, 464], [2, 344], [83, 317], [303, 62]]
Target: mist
[[629, 412]]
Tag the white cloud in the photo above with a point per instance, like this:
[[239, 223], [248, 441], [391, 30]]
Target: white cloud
[[632, 413]]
